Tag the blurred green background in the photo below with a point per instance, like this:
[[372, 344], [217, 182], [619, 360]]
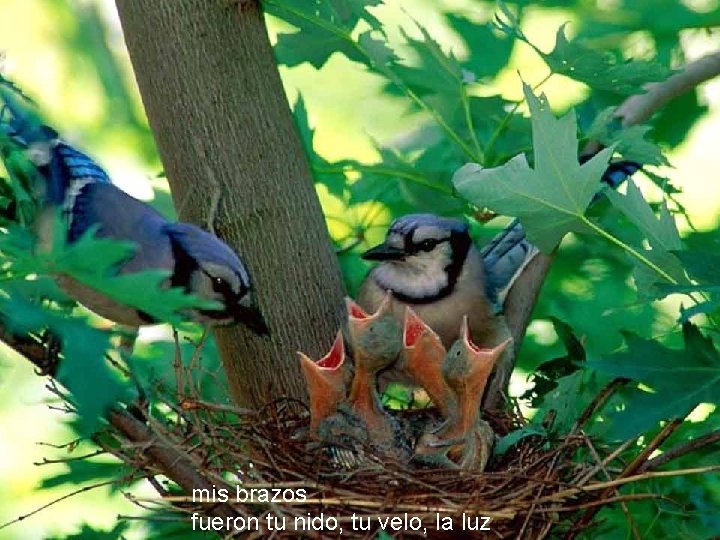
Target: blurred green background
[[70, 57]]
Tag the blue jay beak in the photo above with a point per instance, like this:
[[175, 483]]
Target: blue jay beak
[[252, 318], [383, 252]]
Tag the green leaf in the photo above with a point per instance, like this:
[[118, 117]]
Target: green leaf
[[324, 27], [546, 375], [408, 183], [447, 74], [630, 142], [85, 471], [376, 49], [672, 123], [550, 200], [562, 404], [702, 263], [702, 259], [678, 379], [660, 230], [334, 181], [514, 437], [91, 533], [93, 386], [307, 133], [489, 51], [601, 70], [501, 134], [662, 235]]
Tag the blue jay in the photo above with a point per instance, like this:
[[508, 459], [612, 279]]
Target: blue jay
[[72, 182], [431, 265]]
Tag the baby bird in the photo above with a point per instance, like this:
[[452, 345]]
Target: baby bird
[[325, 382], [376, 340], [422, 359], [465, 440]]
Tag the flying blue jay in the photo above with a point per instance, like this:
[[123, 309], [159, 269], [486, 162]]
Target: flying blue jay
[[431, 265], [72, 182]]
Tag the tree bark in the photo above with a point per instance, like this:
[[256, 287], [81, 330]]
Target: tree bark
[[216, 105]]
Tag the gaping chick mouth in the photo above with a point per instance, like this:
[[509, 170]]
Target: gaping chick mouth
[[356, 314], [334, 359], [413, 329], [354, 311], [465, 332]]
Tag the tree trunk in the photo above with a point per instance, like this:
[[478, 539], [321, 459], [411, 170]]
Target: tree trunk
[[216, 105]]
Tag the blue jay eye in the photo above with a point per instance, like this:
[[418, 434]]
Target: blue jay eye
[[427, 245], [219, 284]]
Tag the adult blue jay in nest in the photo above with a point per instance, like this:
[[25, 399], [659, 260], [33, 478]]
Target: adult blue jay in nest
[[81, 190], [430, 264]]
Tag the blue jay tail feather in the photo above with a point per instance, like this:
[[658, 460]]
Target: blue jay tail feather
[[617, 171]]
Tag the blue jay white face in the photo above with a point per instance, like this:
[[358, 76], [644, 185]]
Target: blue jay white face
[[421, 258], [208, 268]]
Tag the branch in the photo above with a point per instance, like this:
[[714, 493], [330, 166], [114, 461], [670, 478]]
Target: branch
[[640, 107], [680, 450], [173, 464]]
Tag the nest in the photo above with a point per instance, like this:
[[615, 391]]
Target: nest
[[532, 490], [248, 472]]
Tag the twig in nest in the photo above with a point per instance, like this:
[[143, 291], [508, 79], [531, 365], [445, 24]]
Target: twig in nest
[[585, 477], [598, 403], [630, 470], [628, 516], [46, 461]]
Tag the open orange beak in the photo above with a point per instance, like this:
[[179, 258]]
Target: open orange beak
[[325, 381], [422, 357]]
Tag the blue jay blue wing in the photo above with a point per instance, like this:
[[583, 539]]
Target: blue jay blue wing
[[75, 165], [504, 258], [59, 163], [121, 217], [68, 165], [619, 171]]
